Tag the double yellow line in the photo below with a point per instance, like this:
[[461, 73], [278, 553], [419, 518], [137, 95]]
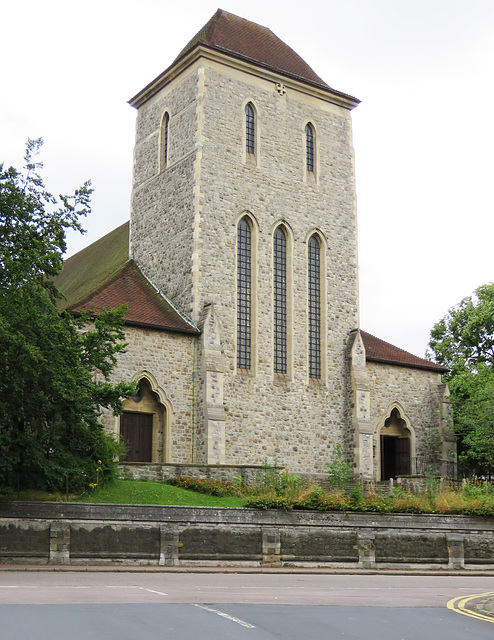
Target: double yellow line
[[459, 605]]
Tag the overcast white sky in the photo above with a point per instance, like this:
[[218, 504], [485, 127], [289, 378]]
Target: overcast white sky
[[423, 135]]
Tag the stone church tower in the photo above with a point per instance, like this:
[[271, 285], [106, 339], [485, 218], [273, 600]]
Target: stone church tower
[[240, 278], [243, 212]]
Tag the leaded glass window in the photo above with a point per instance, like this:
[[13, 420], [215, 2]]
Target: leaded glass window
[[309, 147], [249, 129], [164, 140], [244, 294], [314, 273], [279, 297]]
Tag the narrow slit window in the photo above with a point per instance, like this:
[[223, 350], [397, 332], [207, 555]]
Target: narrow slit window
[[250, 125], [279, 299], [314, 284], [244, 291], [309, 148], [165, 124]]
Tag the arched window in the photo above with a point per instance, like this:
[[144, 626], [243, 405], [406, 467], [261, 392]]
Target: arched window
[[309, 147], [165, 125], [244, 294], [314, 286], [250, 129], [279, 300]]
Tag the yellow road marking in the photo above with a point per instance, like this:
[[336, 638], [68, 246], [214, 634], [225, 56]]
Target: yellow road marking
[[458, 605]]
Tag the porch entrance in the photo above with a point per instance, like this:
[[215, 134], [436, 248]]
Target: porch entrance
[[395, 457], [136, 430]]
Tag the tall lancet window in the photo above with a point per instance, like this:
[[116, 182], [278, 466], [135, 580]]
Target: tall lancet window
[[165, 125], [314, 285], [279, 299], [250, 129], [309, 147], [244, 294]]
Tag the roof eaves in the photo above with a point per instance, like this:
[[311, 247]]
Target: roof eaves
[[184, 316], [190, 56], [409, 365]]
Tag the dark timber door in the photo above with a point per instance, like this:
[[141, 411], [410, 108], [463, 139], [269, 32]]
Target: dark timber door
[[403, 457], [395, 457], [137, 431]]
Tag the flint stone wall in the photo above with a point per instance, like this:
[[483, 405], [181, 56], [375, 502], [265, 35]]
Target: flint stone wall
[[73, 533]]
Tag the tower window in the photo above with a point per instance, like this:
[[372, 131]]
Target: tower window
[[309, 148], [314, 299], [165, 124], [279, 299], [250, 129], [244, 294]]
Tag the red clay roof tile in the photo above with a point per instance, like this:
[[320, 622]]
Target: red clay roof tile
[[146, 307], [245, 39], [379, 351]]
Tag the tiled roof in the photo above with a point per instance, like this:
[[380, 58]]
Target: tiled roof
[[85, 271], [241, 38], [146, 306], [379, 351]]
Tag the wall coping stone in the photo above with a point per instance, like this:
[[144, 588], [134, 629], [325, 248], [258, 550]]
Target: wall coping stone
[[241, 516]]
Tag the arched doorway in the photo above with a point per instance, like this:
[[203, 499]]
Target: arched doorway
[[395, 446], [143, 426]]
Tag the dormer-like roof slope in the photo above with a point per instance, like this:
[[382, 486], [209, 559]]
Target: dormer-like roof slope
[[102, 277], [241, 38], [146, 307], [83, 272], [249, 42], [377, 350]]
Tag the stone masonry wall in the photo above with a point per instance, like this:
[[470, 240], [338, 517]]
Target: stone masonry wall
[[291, 418], [92, 534], [183, 232], [162, 208], [169, 358], [416, 391]]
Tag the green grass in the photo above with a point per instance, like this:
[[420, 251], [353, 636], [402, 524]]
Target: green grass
[[135, 492]]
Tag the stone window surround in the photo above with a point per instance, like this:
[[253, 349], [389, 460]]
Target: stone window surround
[[251, 159], [310, 177], [289, 298], [254, 228], [164, 144], [323, 247]]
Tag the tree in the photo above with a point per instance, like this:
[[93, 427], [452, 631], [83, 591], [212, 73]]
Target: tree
[[463, 341], [54, 367]]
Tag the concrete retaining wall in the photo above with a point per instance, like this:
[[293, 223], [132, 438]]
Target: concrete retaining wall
[[72, 533]]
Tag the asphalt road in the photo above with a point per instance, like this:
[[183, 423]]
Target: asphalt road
[[169, 606]]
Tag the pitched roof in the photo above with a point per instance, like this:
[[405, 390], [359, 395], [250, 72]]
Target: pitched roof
[[146, 307], [379, 351], [244, 39], [250, 42], [102, 277], [83, 272]]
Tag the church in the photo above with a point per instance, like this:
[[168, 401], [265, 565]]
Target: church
[[239, 270]]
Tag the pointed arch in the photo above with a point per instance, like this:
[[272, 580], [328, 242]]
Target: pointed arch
[[152, 403], [314, 305], [282, 326], [310, 147], [164, 140], [396, 441], [246, 279], [250, 133], [250, 129]]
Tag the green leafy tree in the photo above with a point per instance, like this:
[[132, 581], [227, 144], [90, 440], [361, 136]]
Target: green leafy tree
[[54, 367], [463, 341]]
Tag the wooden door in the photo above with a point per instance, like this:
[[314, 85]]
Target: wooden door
[[136, 429], [403, 457]]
